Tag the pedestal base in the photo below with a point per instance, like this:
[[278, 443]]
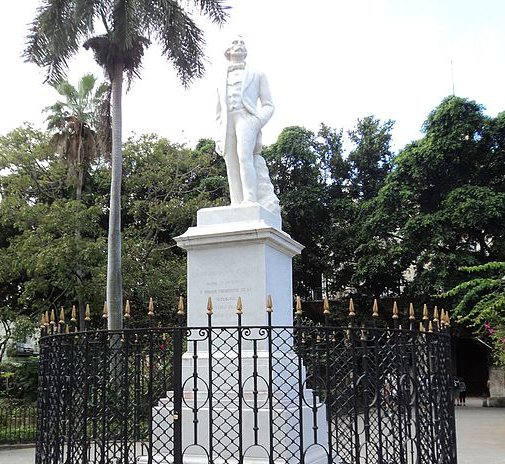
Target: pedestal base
[[280, 428], [313, 458], [239, 252], [244, 395]]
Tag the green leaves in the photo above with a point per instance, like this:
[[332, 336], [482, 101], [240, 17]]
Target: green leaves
[[480, 302], [163, 187], [60, 27]]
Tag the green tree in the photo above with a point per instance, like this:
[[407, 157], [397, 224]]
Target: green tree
[[370, 158], [56, 35], [299, 169], [14, 327], [480, 301], [441, 207], [164, 186], [76, 122], [356, 179]]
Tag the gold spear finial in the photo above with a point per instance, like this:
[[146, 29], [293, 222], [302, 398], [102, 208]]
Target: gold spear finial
[[375, 308], [442, 316], [352, 312], [180, 306], [430, 327], [67, 329], [425, 312], [42, 320], [412, 314], [105, 311], [435, 314], [421, 327], [326, 305], [150, 308], [270, 305], [87, 314], [46, 318], [239, 306], [395, 310], [127, 310], [298, 306], [62, 316], [210, 308], [448, 319], [51, 320], [73, 316]]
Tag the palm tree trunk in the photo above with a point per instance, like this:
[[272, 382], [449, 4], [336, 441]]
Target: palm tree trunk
[[114, 282], [78, 197]]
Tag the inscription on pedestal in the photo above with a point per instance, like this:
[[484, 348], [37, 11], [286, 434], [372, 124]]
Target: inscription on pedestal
[[224, 294]]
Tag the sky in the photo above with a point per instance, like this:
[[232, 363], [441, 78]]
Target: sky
[[330, 61]]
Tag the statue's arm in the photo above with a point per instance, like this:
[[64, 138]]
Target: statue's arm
[[267, 106]]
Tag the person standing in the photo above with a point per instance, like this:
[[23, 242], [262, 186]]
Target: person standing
[[462, 392]]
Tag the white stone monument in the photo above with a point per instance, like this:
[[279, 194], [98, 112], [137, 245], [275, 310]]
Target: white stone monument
[[240, 251]]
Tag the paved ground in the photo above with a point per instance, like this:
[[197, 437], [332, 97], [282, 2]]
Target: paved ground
[[480, 434]]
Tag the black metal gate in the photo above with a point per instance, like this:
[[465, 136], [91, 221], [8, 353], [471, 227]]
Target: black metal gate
[[300, 394]]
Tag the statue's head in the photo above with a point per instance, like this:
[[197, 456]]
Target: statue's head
[[236, 52]]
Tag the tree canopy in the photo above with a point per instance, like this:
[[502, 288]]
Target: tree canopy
[[374, 224], [57, 32], [164, 186], [442, 206]]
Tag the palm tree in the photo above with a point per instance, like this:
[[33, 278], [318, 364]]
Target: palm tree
[[55, 36], [77, 122]]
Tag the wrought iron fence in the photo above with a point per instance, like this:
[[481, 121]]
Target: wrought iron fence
[[239, 394], [18, 424]]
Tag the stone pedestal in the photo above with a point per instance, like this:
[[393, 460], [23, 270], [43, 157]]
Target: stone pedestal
[[496, 387], [238, 251], [241, 252]]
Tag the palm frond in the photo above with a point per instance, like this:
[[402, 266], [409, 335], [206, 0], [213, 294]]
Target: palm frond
[[54, 37], [128, 18], [57, 115], [85, 86], [67, 90], [181, 40], [215, 10]]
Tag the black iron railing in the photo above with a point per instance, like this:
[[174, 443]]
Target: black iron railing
[[18, 424], [300, 394]]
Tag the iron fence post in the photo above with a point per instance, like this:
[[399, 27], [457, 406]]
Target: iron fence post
[[177, 386]]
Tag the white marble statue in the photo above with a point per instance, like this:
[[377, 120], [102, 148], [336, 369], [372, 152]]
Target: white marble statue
[[244, 106]]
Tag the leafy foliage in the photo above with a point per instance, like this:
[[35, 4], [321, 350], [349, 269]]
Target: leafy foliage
[[60, 27], [441, 207], [55, 35], [20, 380], [481, 303], [297, 167], [164, 186]]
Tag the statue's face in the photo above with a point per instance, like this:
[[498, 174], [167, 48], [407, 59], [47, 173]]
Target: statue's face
[[237, 51]]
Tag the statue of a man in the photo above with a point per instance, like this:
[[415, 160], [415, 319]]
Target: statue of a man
[[241, 119]]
